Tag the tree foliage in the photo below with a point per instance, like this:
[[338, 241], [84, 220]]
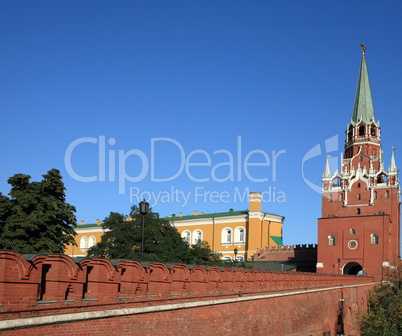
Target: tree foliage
[[36, 218], [162, 241], [384, 315]]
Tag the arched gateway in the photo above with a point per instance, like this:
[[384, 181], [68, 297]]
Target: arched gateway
[[352, 268]]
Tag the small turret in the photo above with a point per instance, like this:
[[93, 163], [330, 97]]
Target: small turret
[[327, 172], [392, 166]]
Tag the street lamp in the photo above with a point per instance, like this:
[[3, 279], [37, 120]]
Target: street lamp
[[235, 253], [339, 264], [144, 208]]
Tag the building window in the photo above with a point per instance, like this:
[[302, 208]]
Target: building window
[[358, 211], [352, 244], [374, 239], [352, 231], [197, 237], [382, 178], [92, 241], [330, 198], [226, 236], [186, 235], [336, 182], [386, 194], [239, 258], [358, 197], [331, 240], [240, 235], [375, 195], [84, 243], [341, 197]]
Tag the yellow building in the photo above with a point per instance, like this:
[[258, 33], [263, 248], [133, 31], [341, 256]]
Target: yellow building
[[247, 231]]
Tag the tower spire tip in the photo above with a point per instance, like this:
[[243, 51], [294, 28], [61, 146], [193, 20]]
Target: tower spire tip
[[363, 48]]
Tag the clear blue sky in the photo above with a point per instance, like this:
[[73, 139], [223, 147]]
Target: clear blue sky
[[193, 79]]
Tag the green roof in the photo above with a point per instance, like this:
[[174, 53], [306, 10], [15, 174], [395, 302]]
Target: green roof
[[84, 226], [216, 214], [277, 240], [363, 108]]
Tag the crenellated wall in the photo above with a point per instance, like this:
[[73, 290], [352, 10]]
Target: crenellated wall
[[304, 256], [54, 294]]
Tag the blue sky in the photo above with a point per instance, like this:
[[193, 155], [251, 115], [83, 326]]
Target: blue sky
[[176, 98]]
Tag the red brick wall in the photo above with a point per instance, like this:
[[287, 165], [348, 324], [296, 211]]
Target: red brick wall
[[286, 252], [99, 297]]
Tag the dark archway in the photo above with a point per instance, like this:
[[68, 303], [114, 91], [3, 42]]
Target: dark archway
[[353, 268]]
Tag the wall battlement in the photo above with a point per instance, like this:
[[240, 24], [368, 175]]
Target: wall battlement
[[299, 252], [297, 247], [37, 286]]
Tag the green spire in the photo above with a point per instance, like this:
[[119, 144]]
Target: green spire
[[363, 108]]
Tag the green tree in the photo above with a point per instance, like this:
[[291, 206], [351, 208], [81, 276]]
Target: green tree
[[384, 315], [162, 241], [37, 218]]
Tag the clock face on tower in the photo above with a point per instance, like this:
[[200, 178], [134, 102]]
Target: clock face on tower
[[352, 244]]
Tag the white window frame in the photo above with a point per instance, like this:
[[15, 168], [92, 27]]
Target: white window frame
[[197, 236], [186, 236], [227, 236], [91, 241], [84, 243], [238, 239], [374, 239]]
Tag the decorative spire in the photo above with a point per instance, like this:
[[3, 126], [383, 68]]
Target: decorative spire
[[363, 108], [327, 172], [392, 166]]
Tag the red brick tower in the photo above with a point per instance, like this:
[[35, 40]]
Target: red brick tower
[[359, 228]]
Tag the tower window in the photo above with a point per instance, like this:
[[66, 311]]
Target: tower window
[[386, 194], [330, 198], [341, 197], [373, 130], [358, 197], [374, 239], [382, 178], [352, 231], [375, 195], [331, 240], [361, 130], [336, 182], [358, 211]]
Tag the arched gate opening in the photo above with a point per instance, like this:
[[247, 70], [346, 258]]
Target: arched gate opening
[[353, 268]]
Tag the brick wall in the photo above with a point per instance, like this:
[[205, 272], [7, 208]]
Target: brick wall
[[53, 294]]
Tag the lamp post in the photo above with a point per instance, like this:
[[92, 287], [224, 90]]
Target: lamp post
[[339, 264], [235, 253], [144, 208]]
